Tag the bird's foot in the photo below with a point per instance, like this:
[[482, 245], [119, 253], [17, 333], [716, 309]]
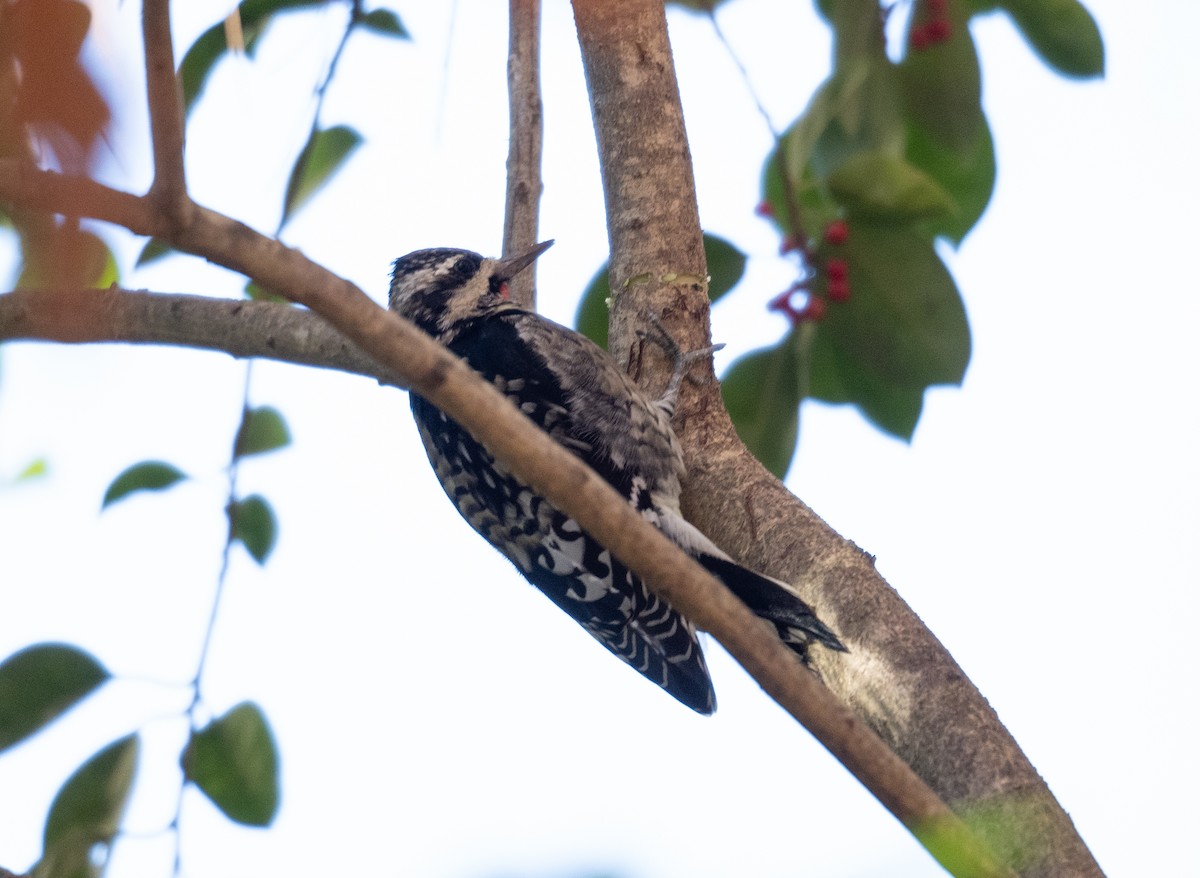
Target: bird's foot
[[681, 360]]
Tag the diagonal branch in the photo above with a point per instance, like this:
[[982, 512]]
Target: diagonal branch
[[524, 143], [569, 484]]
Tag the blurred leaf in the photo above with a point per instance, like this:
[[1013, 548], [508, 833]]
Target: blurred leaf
[[903, 329], [726, 265], [885, 187], [54, 94], [262, 429], [591, 318], [326, 151], [199, 60], [253, 523], [762, 393], [940, 85], [149, 475], [61, 256], [235, 762], [948, 136], [155, 249], [35, 469], [87, 811], [41, 682], [385, 22], [1062, 32], [256, 293], [968, 175], [705, 6]]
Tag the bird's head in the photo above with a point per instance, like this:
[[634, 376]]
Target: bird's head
[[442, 290]]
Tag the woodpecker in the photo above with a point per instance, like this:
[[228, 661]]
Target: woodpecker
[[575, 391]]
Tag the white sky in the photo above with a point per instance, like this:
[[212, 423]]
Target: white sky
[[440, 719]]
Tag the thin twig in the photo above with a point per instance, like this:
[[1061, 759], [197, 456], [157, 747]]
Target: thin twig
[[741, 68], [524, 143], [165, 103]]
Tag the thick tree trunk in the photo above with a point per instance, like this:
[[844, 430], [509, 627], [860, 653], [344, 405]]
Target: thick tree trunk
[[897, 677]]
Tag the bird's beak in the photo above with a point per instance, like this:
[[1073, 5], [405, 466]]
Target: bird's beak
[[511, 266]]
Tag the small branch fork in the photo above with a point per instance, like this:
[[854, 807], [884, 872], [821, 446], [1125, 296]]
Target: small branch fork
[[409, 355]]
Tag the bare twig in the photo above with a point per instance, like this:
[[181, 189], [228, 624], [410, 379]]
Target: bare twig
[[524, 142], [23, 185], [165, 102], [270, 330]]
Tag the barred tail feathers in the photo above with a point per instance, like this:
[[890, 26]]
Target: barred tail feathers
[[798, 625]]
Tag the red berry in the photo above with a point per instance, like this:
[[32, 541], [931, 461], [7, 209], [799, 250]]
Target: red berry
[[837, 269], [839, 289], [837, 232], [919, 39], [764, 209], [937, 7], [814, 310], [798, 304], [782, 302], [939, 30]]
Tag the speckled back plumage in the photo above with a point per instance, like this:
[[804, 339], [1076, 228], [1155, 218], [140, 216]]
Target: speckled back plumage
[[575, 391]]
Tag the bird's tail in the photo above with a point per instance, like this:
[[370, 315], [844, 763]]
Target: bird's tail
[[797, 624]]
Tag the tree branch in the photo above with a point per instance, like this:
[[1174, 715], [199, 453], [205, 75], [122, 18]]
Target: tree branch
[[269, 330], [524, 143], [533, 456], [289, 334], [897, 678], [26, 186], [165, 102]]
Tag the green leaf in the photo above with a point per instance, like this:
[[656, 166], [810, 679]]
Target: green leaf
[[967, 174], [149, 475], [62, 256], [253, 523], [35, 469], [947, 133], [903, 329], [199, 60], [726, 265], [326, 151], [235, 762], [258, 294], [591, 318], [385, 22], [1062, 32], [155, 249], [86, 812], [762, 393], [940, 86], [262, 429], [885, 187], [39, 683], [705, 6]]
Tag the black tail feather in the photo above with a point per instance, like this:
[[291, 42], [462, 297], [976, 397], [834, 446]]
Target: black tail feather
[[770, 600]]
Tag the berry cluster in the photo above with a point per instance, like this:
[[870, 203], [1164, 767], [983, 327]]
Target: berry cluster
[[935, 29], [800, 302]]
